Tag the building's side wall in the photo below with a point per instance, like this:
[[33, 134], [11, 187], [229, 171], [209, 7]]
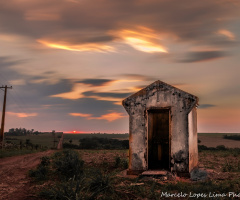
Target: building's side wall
[[137, 156], [159, 97], [193, 139], [179, 142]]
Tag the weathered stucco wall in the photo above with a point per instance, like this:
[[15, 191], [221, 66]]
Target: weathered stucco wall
[[193, 139], [159, 95]]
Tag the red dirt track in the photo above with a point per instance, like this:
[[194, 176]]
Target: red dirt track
[[14, 181]]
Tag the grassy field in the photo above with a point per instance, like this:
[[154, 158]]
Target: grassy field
[[16, 152], [29, 144], [45, 139], [76, 137], [68, 136], [101, 175], [217, 134]]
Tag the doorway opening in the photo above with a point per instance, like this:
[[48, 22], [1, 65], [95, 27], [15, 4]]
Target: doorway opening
[[159, 139]]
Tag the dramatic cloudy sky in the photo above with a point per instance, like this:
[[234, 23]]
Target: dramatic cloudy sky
[[72, 62]]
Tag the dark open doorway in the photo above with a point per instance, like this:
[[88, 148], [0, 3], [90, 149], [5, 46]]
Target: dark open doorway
[[158, 139]]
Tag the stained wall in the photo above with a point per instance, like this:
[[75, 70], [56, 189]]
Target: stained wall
[[156, 96]]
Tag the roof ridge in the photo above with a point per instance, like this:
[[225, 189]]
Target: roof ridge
[[143, 90]]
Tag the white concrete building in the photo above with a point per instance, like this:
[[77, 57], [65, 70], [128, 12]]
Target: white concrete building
[[162, 129]]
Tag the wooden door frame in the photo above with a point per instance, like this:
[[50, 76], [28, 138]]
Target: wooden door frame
[[170, 141]]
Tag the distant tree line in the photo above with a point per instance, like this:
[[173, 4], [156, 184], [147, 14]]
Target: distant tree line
[[98, 143], [232, 137], [21, 131], [217, 148]]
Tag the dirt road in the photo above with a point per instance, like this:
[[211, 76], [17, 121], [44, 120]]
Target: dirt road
[[14, 181]]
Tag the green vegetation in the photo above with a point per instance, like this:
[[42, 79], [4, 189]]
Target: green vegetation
[[22, 141], [232, 137], [16, 152], [231, 167], [217, 134], [120, 162], [67, 164], [42, 171], [98, 143], [76, 137], [220, 149], [44, 140], [61, 166], [101, 180], [72, 180], [23, 147], [21, 132], [25, 144]]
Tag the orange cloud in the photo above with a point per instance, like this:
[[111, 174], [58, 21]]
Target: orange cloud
[[117, 101], [109, 117], [227, 34], [142, 39], [76, 93], [22, 115], [116, 86], [81, 115], [144, 45], [81, 47]]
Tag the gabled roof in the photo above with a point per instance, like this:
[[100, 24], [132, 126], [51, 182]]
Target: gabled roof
[[161, 86]]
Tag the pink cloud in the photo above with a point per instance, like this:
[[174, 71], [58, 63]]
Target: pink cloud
[[109, 116]]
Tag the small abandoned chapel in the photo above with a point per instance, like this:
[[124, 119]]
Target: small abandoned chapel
[[162, 129]]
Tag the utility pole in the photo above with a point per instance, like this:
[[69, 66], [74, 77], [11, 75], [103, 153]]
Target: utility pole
[[3, 113]]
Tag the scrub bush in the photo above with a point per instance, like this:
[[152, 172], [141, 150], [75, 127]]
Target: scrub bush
[[67, 164]]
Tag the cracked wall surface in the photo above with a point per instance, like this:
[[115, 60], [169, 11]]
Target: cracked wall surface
[[160, 95]]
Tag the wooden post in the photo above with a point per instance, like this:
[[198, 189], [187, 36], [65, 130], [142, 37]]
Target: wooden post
[[3, 114]]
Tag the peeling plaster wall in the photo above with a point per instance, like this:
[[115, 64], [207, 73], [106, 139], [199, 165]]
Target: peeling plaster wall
[[193, 139], [159, 95], [136, 143]]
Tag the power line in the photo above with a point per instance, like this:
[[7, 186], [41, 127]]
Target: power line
[[14, 97]]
